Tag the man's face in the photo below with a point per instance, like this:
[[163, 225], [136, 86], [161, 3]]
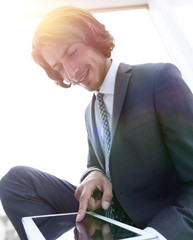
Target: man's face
[[77, 63]]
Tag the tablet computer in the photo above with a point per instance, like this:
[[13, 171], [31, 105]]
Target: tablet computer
[[93, 227]]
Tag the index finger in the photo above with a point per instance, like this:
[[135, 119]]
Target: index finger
[[83, 204]]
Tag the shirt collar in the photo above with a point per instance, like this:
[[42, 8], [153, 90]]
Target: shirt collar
[[109, 82]]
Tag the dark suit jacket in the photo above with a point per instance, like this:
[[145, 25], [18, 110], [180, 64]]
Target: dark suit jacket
[[151, 159]]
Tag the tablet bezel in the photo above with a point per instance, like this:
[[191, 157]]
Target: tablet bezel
[[33, 232]]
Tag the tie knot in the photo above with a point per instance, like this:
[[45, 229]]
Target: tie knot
[[100, 96]]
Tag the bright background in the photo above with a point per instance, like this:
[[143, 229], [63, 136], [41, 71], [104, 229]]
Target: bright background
[[41, 124]]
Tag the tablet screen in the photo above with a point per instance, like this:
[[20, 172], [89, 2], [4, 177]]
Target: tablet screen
[[64, 227]]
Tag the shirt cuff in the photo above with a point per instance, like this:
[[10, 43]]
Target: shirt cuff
[[154, 232], [90, 170]]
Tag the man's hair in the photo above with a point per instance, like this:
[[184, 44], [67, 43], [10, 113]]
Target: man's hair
[[60, 25]]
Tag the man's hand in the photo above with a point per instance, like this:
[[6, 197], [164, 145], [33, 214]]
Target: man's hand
[[88, 191]]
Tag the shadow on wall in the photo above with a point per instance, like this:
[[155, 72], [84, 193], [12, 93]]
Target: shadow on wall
[[7, 231]]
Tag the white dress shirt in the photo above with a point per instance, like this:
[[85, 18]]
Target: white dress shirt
[[107, 88]]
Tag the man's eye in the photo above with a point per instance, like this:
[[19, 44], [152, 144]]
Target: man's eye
[[71, 52]]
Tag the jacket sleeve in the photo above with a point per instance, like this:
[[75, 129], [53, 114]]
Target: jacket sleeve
[[174, 106], [93, 163]]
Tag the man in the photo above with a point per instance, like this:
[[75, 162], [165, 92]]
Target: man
[[140, 168]]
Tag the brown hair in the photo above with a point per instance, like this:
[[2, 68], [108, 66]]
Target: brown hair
[[59, 25]]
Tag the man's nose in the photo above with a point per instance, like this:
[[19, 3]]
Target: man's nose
[[71, 72]]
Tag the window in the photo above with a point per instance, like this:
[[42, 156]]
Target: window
[[136, 38], [174, 21]]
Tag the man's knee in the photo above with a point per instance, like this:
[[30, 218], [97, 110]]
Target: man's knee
[[15, 173], [13, 176]]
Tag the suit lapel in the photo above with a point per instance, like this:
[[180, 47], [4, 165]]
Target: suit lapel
[[122, 80], [121, 84]]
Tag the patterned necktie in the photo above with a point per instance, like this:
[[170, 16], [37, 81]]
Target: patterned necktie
[[106, 131], [107, 145], [115, 210]]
